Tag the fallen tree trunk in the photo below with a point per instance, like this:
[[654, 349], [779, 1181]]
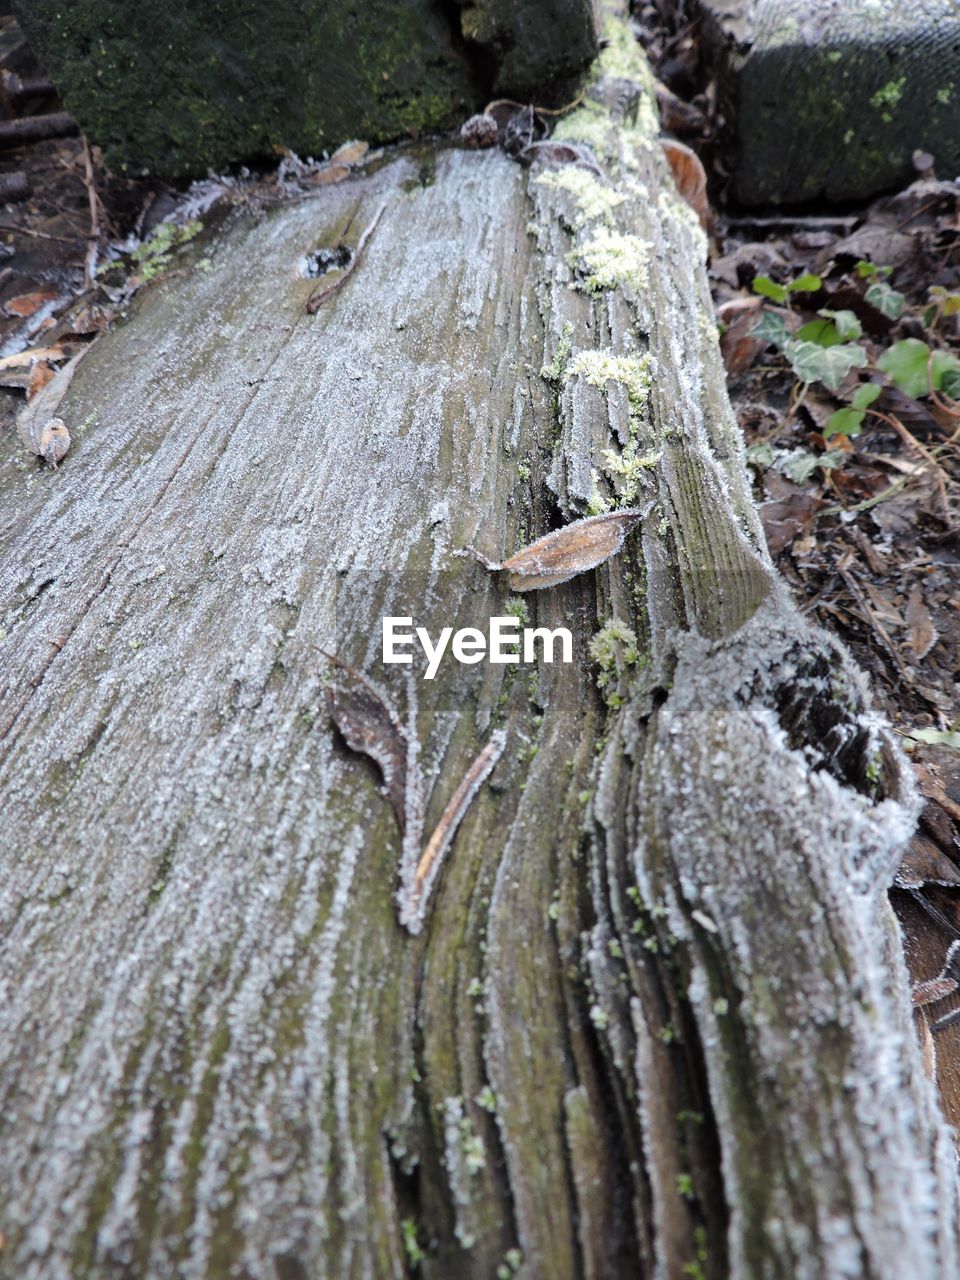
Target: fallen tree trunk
[[657, 1020]]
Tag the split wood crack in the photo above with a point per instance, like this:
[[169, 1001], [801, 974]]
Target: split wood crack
[[370, 725], [324, 291]]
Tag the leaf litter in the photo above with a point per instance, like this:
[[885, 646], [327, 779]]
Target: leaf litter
[[856, 469]]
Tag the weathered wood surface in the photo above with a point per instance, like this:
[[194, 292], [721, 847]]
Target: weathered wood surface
[[658, 1018], [832, 99]]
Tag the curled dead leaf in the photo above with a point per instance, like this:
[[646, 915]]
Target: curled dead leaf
[[54, 441], [416, 894], [41, 431], [574, 549], [39, 376], [25, 359], [28, 304], [329, 174], [369, 727], [479, 131], [689, 176], [350, 154], [920, 629], [26, 368]]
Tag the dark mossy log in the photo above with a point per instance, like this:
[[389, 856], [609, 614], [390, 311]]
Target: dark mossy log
[[832, 100], [180, 86], [657, 1022]]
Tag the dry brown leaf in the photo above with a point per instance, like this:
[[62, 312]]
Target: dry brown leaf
[[23, 369], [787, 519], [884, 608], [689, 175], [24, 359], [37, 379], [574, 549], [479, 131], [329, 174], [924, 863], [27, 304], [921, 632], [41, 432], [54, 441], [369, 727], [350, 154], [738, 345]]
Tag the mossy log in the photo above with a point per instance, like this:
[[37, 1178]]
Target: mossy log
[[831, 100], [657, 1022]]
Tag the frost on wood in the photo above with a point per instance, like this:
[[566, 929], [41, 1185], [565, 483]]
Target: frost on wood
[[656, 1018]]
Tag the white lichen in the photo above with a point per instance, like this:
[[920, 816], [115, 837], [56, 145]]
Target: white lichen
[[610, 260], [600, 368], [627, 471], [594, 200]]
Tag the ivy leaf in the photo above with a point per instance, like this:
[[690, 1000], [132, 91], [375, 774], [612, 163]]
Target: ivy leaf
[[865, 395], [829, 365], [949, 302], [906, 364], [845, 422], [770, 289], [770, 328], [807, 283], [886, 300], [869, 270], [950, 385], [760, 455], [822, 332], [847, 324], [798, 465]]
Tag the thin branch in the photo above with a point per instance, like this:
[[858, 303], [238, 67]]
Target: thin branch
[[93, 239], [40, 235]]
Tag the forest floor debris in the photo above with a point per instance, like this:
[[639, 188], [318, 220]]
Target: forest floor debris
[[841, 339]]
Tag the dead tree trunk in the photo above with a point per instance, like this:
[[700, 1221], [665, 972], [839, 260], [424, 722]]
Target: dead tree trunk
[[657, 1022]]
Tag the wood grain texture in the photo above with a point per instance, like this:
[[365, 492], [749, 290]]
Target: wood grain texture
[[657, 1018]]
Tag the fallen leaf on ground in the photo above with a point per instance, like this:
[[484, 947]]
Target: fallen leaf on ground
[[739, 346], [689, 175], [38, 378], [921, 631], [350, 154], [37, 426], [924, 863], [784, 520], [329, 174], [27, 304], [22, 369]]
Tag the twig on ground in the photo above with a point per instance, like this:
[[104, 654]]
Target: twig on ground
[[93, 239], [40, 235]]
